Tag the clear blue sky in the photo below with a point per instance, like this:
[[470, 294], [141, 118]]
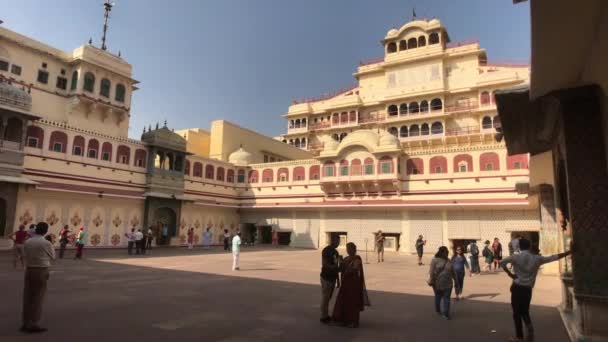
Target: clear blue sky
[[246, 60]]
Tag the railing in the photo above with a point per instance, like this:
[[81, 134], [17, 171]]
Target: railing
[[318, 126], [326, 96], [461, 43], [370, 61], [462, 106], [462, 131], [372, 119], [504, 63], [18, 98], [9, 145]]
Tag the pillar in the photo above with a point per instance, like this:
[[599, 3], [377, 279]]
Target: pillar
[[549, 231]]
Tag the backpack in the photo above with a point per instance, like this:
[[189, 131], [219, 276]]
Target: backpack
[[486, 252]]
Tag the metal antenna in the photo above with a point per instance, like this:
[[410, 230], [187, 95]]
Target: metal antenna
[[108, 8]]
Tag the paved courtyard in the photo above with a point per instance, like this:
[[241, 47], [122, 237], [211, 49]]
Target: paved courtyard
[[181, 295]]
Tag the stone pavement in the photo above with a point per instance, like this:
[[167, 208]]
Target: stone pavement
[[180, 295]]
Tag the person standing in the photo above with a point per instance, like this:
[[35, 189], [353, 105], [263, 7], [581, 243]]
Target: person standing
[[497, 252], [38, 255], [81, 239], [165, 235], [190, 238], [460, 265], [236, 251], [275, 237], [329, 275], [226, 240], [19, 238], [64, 239], [515, 249], [139, 241], [130, 241], [488, 255], [207, 238], [31, 231], [441, 279], [474, 250], [380, 245], [420, 248], [352, 297], [525, 268], [149, 238]]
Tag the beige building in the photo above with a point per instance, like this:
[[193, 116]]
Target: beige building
[[409, 150]]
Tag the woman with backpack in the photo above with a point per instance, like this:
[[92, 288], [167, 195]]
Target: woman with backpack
[[488, 256], [474, 250], [441, 279]]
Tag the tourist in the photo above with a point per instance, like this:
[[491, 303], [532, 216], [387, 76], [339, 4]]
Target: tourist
[[474, 251], [139, 241], [352, 297], [525, 266], [514, 245], [130, 241], [18, 238], [38, 255], [420, 248], [31, 230], [80, 242], [236, 251], [64, 239], [329, 275], [497, 252], [149, 238], [441, 279], [275, 237], [380, 245], [207, 238], [190, 238], [460, 265], [226, 240], [488, 255], [165, 235]]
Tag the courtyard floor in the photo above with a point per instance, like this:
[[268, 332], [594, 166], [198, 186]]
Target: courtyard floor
[[180, 295]]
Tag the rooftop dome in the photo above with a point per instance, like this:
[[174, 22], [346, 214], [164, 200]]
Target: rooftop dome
[[14, 97], [240, 157]]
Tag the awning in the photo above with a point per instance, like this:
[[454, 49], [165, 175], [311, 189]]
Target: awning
[[17, 180]]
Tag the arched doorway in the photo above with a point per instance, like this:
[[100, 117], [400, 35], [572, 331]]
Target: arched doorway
[[165, 217], [2, 217]]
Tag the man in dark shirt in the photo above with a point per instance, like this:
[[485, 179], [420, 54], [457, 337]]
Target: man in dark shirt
[[329, 275], [420, 248]]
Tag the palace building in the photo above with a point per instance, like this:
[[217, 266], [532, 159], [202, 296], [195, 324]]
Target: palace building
[[410, 149]]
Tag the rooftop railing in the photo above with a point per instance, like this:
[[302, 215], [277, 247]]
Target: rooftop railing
[[325, 96]]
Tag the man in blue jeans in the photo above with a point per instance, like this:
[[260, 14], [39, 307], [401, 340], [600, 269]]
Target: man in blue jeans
[[525, 268]]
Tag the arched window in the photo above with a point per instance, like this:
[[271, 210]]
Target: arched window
[[344, 117], [403, 132], [35, 136], [344, 168], [424, 106], [92, 148], [303, 143], [403, 109], [343, 135], [314, 172], [353, 116], [517, 161], [291, 124], [463, 163], [253, 176], [391, 47], [368, 166], [78, 146], [197, 170], [355, 167], [304, 122], [437, 128], [496, 121], [412, 43], [335, 118], [299, 173], [434, 38], [438, 164], [329, 169], [89, 82], [104, 88], [414, 166], [424, 129], [421, 41], [297, 142], [230, 176], [267, 176], [220, 174], [414, 131], [402, 45], [123, 154], [385, 165], [489, 161], [209, 170], [393, 110], [187, 168], [297, 124], [14, 130], [140, 157], [120, 93], [74, 82], [486, 122], [58, 141], [484, 98], [393, 131], [283, 175], [106, 151], [436, 104], [413, 107], [240, 176], [336, 137]]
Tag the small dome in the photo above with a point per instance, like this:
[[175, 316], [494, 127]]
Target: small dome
[[388, 139], [14, 96], [240, 157], [392, 32]]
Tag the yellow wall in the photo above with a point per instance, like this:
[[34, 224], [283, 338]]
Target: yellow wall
[[198, 141]]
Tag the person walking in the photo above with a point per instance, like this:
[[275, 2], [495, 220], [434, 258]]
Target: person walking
[[19, 238], [488, 256], [207, 238], [81, 239], [380, 245], [525, 268], [330, 263], [190, 238], [226, 240], [474, 251], [441, 279], [236, 251], [149, 238], [420, 248], [352, 296], [139, 241], [38, 255], [460, 265], [497, 252], [64, 239], [130, 241]]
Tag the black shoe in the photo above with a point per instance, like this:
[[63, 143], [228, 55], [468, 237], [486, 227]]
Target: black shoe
[[35, 330], [325, 320]]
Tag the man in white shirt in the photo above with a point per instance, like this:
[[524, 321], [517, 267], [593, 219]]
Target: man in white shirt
[[38, 255], [525, 268], [139, 239], [130, 241], [236, 251]]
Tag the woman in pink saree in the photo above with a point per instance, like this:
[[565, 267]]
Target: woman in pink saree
[[352, 297]]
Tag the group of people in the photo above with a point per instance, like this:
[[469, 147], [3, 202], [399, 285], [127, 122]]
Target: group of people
[[140, 240], [20, 236]]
